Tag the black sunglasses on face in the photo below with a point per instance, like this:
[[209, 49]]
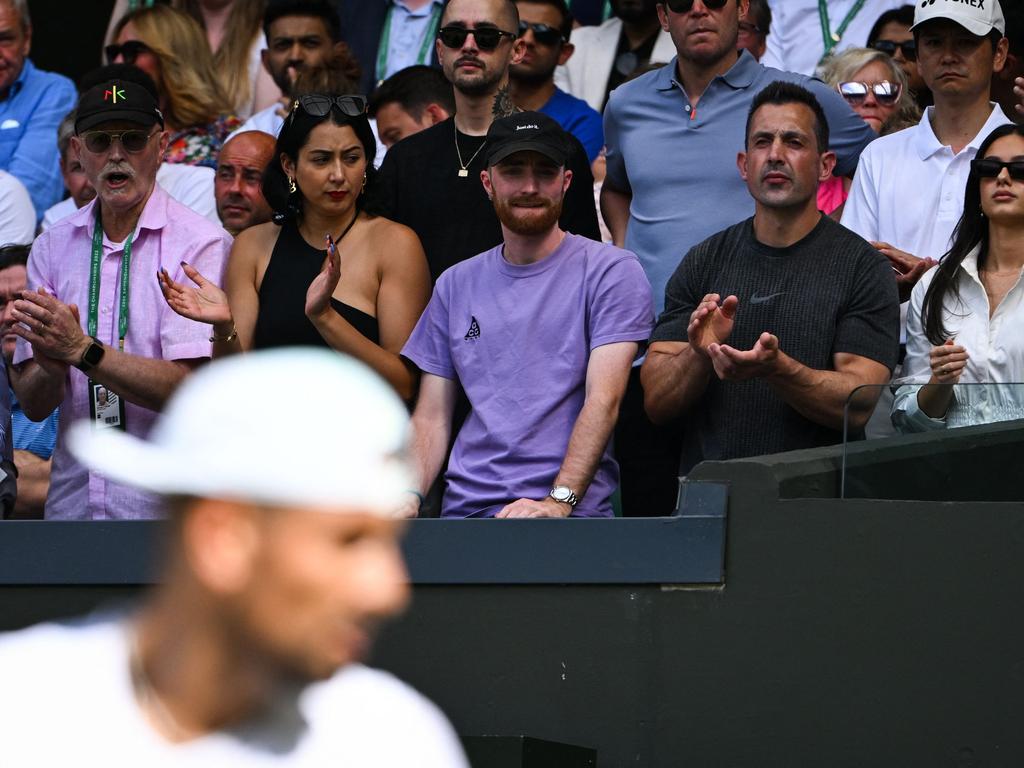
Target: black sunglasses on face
[[685, 6], [130, 50], [990, 168], [487, 38], [542, 33], [319, 104], [856, 93], [909, 48], [133, 141]]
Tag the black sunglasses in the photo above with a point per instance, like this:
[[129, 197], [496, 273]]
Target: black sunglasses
[[133, 141], [856, 93], [685, 6], [542, 33], [487, 38], [990, 168], [320, 104], [130, 50], [888, 47]]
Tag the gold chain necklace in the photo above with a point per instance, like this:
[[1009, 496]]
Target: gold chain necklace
[[464, 167]]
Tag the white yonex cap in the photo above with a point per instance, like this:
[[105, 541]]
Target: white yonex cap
[[979, 17], [295, 427]]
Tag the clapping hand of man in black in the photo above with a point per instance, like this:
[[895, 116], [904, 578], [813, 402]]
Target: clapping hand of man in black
[[732, 364], [53, 328], [711, 322]]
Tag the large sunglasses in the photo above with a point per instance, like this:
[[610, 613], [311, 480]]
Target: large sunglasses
[[685, 6], [888, 47], [320, 104], [133, 141], [855, 93], [542, 33], [487, 38], [990, 168], [130, 50]]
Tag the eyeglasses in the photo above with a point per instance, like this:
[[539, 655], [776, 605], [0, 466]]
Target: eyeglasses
[[487, 38], [888, 47], [990, 168], [320, 104], [130, 50], [542, 33], [685, 6], [856, 93], [746, 28], [133, 141]]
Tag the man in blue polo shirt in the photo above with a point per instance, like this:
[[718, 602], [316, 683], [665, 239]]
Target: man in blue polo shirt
[[32, 104]]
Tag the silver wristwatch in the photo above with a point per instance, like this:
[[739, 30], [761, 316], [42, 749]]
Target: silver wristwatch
[[564, 494]]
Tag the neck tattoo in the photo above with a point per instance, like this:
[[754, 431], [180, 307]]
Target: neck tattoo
[[503, 106]]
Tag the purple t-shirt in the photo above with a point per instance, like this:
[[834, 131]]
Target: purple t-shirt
[[518, 339]]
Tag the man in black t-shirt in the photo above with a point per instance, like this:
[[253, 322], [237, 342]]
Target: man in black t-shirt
[[431, 181], [770, 325]]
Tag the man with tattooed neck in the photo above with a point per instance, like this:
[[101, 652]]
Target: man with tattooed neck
[[431, 181]]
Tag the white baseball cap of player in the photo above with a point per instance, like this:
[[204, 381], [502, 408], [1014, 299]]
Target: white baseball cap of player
[[979, 17], [288, 427]]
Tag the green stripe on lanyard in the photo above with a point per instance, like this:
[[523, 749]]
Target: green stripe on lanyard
[[94, 282], [832, 39], [385, 40]]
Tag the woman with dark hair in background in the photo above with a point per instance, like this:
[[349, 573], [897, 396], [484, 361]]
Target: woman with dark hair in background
[[891, 35], [967, 314], [283, 287]]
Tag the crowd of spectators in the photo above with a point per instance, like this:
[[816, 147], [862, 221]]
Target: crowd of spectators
[[589, 244]]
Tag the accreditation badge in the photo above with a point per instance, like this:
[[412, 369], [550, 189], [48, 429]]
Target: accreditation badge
[[105, 407]]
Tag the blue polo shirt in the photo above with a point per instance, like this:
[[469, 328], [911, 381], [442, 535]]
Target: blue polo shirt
[[680, 161], [578, 118], [36, 103]]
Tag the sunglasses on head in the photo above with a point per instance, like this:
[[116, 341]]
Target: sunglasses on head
[[685, 6], [856, 93], [542, 33], [487, 38], [990, 168], [133, 141], [130, 50], [320, 104], [909, 48]]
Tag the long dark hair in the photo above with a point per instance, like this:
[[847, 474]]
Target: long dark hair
[[971, 231], [292, 138]]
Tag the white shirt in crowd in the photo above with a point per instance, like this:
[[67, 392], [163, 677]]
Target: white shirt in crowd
[[67, 699], [17, 214], [190, 185], [996, 355], [796, 41]]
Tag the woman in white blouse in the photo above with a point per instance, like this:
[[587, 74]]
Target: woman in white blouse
[[966, 321]]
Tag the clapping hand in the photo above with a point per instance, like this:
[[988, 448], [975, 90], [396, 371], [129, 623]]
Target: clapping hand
[[318, 297], [53, 328], [735, 365], [947, 362], [711, 322], [206, 303]]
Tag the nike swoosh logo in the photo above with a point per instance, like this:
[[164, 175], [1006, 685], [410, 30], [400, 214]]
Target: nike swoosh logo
[[755, 299]]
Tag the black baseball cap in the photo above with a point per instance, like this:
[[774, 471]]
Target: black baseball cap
[[117, 100], [526, 132]]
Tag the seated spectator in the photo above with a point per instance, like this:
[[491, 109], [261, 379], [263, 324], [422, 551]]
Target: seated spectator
[[607, 56], [32, 441], [32, 103], [17, 216], [170, 47], [283, 284], [540, 331], [755, 26], [239, 186], [117, 360], [544, 27], [963, 325], [892, 36], [410, 101], [770, 325], [807, 31], [876, 88], [79, 190]]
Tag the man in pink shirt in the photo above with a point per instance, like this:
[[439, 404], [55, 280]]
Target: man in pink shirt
[[96, 337]]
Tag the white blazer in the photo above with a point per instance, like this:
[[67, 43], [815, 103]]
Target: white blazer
[[586, 73]]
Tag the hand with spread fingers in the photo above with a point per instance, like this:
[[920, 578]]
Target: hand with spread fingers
[[947, 362], [908, 268], [523, 508], [735, 365], [205, 303], [53, 328], [711, 322], [318, 296]]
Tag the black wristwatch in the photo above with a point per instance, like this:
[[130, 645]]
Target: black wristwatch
[[92, 355]]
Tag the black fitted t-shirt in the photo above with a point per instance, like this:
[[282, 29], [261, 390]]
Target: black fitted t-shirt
[[829, 293], [419, 185]]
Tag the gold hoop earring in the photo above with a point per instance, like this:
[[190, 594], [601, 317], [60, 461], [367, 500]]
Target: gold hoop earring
[[292, 189], [364, 183]]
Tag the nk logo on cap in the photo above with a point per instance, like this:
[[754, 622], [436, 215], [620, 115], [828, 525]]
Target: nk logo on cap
[[114, 93]]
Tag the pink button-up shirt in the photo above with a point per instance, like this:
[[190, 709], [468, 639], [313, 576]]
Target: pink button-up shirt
[[167, 234]]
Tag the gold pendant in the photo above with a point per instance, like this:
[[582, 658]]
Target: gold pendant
[[463, 173]]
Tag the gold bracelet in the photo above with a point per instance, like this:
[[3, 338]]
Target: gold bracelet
[[230, 337]]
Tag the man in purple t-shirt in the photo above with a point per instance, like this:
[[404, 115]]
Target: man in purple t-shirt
[[540, 332]]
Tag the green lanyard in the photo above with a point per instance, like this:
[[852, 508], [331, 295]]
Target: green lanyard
[[832, 38], [94, 283], [607, 12], [385, 40]]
